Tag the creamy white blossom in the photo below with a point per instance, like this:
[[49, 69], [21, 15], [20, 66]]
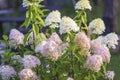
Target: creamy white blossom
[[111, 40], [7, 72], [30, 61], [67, 24], [109, 75], [83, 5], [27, 3], [104, 52], [94, 63], [97, 26], [15, 37], [69, 78], [53, 19], [27, 74], [51, 50]]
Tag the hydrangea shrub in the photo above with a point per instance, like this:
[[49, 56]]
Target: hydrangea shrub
[[69, 49]]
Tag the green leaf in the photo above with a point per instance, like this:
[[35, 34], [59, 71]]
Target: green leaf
[[94, 77], [26, 38], [40, 12], [5, 37], [41, 21], [26, 23]]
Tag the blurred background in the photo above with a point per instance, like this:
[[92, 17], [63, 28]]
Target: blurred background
[[12, 15]]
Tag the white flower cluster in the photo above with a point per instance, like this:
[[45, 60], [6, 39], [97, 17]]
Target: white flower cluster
[[97, 26], [69, 78], [67, 24], [109, 75], [30, 61], [94, 63], [15, 37], [83, 5], [111, 40], [7, 72], [27, 74], [53, 19], [27, 3]]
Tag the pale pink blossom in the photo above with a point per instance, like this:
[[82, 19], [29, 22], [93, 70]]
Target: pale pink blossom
[[51, 50], [27, 74], [39, 46], [82, 41], [15, 37], [55, 37], [104, 52], [30, 61], [94, 63], [96, 42]]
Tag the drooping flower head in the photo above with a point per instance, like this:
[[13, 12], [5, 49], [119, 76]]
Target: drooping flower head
[[27, 74], [51, 50], [15, 37], [104, 52], [53, 19], [94, 63], [97, 26], [30, 61], [83, 5], [67, 25], [111, 40], [7, 72], [109, 75]]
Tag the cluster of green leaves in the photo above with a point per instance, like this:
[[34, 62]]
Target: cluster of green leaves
[[81, 19], [34, 16]]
